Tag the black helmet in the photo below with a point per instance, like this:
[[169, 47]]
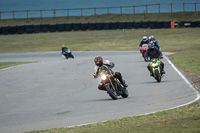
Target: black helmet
[[151, 45], [98, 60]]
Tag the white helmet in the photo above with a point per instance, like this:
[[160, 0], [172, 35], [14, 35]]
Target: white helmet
[[144, 38]]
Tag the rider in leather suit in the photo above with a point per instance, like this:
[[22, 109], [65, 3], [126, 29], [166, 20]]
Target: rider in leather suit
[[100, 65], [144, 41], [156, 45]]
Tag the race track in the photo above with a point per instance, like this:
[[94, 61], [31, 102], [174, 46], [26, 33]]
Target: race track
[[59, 93]]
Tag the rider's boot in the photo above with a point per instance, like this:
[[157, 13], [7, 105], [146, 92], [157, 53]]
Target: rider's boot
[[163, 72], [101, 87], [151, 74], [161, 55], [124, 84]]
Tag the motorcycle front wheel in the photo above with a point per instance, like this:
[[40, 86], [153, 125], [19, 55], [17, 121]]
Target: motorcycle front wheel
[[124, 93], [111, 91], [157, 76]]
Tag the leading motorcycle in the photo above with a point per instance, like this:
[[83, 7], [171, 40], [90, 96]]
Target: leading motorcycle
[[156, 69], [112, 85], [67, 53]]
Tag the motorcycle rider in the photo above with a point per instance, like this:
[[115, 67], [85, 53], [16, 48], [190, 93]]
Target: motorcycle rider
[[100, 65], [156, 45], [63, 49], [144, 41], [159, 63], [152, 52]]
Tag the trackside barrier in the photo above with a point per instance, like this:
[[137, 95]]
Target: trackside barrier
[[99, 26], [68, 27], [29, 29], [36, 28]]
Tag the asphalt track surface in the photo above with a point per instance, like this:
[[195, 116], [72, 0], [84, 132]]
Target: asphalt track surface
[[58, 92]]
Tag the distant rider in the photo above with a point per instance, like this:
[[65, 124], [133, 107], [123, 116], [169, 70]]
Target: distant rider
[[100, 65], [144, 41], [149, 66], [63, 49]]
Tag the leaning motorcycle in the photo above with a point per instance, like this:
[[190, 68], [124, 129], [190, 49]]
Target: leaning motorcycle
[[112, 85], [156, 70], [67, 54]]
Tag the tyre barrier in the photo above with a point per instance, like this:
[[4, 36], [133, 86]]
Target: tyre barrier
[[5, 30], [106, 26], [99, 26], [76, 27], [68, 27], [129, 25], [167, 25], [84, 27], [13, 29], [137, 25], [20, 30], [122, 25], [145, 25], [52, 28], [60, 27], [91, 26], [94, 26], [29, 29], [114, 26], [36, 29], [152, 25], [160, 25], [44, 28]]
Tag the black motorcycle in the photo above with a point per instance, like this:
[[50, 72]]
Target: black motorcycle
[[67, 53], [112, 85]]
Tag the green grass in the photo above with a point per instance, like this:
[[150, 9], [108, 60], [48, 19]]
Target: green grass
[[9, 64], [180, 16], [188, 60], [171, 40]]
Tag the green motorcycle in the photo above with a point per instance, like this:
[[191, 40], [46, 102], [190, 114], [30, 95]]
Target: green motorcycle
[[156, 69]]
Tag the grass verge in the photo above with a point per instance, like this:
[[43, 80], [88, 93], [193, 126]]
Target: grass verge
[[10, 64], [171, 40]]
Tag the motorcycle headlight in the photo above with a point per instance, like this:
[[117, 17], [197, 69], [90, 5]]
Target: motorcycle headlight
[[154, 64], [103, 77]]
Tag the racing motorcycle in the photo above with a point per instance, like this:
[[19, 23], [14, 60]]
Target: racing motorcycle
[[156, 69], [67, 54], [144, 50], [112, 85]]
